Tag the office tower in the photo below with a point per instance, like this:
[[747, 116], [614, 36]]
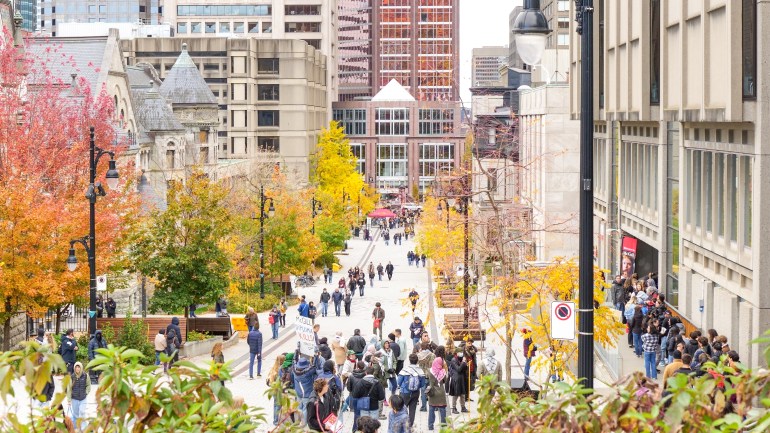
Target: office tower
[[355, 49], [106, 11], [485, 66]]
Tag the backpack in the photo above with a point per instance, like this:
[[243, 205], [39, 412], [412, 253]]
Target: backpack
[[335, 393], [414, 383]]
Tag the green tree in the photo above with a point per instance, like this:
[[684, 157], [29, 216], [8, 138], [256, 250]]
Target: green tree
[[180, 247]]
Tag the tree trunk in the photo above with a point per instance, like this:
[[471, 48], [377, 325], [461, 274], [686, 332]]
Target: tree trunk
[[7, 327], [58, 320], [508, 342]]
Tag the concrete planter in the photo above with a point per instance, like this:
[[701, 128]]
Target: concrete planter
[[192, 349]]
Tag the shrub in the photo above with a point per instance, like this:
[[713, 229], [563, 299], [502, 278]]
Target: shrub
[[238, 303], [197, 336], [134, 336]]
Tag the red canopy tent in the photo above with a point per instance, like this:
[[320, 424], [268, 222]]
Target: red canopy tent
[[381, 213]]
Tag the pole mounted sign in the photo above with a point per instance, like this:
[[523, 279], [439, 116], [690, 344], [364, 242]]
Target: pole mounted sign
[[562, 320]]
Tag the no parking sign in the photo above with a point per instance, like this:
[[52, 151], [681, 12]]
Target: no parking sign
[[562, 320]]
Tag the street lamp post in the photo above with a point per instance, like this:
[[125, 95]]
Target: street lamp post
[[531, 29], [316, 204], [95, 189], [270, 213]]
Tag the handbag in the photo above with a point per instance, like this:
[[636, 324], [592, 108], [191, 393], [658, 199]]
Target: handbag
[[271, 319], [364, 403], [376, 323]]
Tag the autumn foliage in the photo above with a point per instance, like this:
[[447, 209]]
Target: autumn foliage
[[43, 177]]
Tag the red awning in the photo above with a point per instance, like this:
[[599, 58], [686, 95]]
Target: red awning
[[381, 213]]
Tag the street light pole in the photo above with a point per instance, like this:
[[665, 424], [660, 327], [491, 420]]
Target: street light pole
[[271, 211], [316, 209], [466, 275], [95, 189]]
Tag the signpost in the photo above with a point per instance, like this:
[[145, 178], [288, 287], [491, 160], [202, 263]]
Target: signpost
[[101, 283], [304, 328], [562, 320]]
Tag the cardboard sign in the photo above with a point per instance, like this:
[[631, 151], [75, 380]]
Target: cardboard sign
[[305, 336]]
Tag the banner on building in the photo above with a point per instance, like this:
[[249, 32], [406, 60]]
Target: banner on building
[[628, 257], [304, 329]]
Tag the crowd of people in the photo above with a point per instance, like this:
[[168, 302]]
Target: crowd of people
[[658, 336]]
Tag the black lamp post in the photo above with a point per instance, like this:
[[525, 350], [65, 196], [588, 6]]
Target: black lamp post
[[263, 199], [531, 29], [95, 189], [316, 210]]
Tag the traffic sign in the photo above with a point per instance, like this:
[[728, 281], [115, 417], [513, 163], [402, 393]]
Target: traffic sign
[[101, 283], [562, 320]]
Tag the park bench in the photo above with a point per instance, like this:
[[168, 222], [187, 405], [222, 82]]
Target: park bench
[[454, 325], [449, 298], [211, 325]]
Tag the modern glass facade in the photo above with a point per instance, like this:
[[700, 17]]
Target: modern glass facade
[[28, 10], [355, 49], [109, 11]]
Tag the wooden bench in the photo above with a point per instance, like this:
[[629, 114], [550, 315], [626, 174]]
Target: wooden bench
[[154, 324], [211, 325], [449, 299], [456, 331]]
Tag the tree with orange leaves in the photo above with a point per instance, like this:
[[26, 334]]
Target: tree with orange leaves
[[43, 177]]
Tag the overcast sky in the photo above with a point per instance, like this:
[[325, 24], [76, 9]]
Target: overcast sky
[[482, 23]]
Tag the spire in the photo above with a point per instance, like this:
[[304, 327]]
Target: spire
[[184, 83]]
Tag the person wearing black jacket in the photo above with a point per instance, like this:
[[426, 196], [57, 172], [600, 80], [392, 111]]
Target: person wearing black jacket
[[357, 344], [69, 349], [337, 299], [323, 348], [347, 299], [320, 406], [389, 270], [636, 325], [110, 306], [618, 293], [324, 301], [370, 387]]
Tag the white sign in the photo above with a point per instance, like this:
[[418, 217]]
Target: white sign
[[562, 320], [305, 336], [101, 283]]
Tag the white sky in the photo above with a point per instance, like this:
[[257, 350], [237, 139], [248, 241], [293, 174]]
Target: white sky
[[482, 23]]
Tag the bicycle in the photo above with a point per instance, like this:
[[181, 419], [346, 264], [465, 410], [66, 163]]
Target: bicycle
[[305, 281]]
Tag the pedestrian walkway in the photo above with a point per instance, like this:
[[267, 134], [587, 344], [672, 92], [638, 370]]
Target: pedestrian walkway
[[389, 293]]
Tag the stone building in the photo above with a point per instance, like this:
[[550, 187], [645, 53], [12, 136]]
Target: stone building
[[681, 129]]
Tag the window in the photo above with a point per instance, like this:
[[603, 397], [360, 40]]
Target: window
[[181, 28], [102, 9], [354, 121], [436, 122], [239, 119], [170, 159], [224, 27], [238, 64], [239, 91], [142, 8], [211, 67], [211, 27], [434, 157], [91, 9], [267, 92], [196, 27], [303, 10], [315, 43], [223, 10], [267, 66], [238, 27], [746, 179], [562, 39], [655, 52], [267, 27], [268, 118], [391, 160], [359, 152], [563, 5], [269, 144], [563, 22], [719, 173], [253, 27], [392, 121], [749, 48], [302, 27]]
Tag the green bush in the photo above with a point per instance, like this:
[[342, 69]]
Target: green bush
[[134, 336], [197, 336], [238, 304]]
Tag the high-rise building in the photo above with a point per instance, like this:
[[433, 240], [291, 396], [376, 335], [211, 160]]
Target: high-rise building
[[355, 49], [415, 42], [107, 11], [485, 66], [28, 10], [557, 14], [514, 60]]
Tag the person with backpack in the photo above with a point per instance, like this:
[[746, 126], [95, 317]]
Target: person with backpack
[[69, 349], [530, 350], [303, 375], [425, 357], [274, 319], [410, 381], [490, 366], [77, 392], [357, 344], [254, 341], [172, 346], [335, 384], [97, 342], [319, 408], [435, 391], [378, 316], [324, 302], [367, 394]]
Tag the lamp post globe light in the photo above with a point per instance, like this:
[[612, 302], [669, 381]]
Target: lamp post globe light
[[263, 199], [530, 25], [95, 189]]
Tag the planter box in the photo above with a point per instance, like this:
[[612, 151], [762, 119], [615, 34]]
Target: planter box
[[192, 349]]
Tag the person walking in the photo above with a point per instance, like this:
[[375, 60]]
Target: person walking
[[530, 350], [252, 319], [650, 346], [378, 316], [319, 408], [160, 346], [337, 299], [303, 308], [369, 387], [410, 381], [458, 381], [361, 283], [77, 393], [69, 349], [413, 298], [283, 308], [339, 351], [389, 270], [618, 294], [437, 400], [303, 375], [311, 311], [357, 344], [371, 274], [254, 340], [416, 328], [348, 299], [380, 271], [325, 272], [324, 302], [424, 259], [96, 343], [173, 344], [274, 319], [111, 307]]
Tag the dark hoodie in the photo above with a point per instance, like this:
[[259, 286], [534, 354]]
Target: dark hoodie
[[371, 387], [328, 374], [97, 342], [175, 326], [416, 328], [356, 376], [324, 350]]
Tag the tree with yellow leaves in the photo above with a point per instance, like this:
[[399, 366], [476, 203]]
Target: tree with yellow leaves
[[440, 237]]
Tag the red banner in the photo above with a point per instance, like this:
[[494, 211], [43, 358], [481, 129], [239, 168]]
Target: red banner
[[628, 257]]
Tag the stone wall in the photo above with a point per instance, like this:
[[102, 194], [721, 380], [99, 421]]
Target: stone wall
[[18, 330]]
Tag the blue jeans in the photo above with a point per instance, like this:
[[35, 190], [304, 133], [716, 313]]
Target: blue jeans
[[393, 384], [432, 415], [275, 327], [650, 365], [251, 364], [78, 411], [276, 411], [324, 308], [637, 344], [303, 408], [663, 351], [423, 398], [527, 365], [621, 307], [337, 306], [157, 357], [374, 414]]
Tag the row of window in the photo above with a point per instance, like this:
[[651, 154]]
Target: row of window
[[265, 92], [240, 118], [112, 8], [720, 194], [183, 27], [224, 10], [639, 180], [395, 121]]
